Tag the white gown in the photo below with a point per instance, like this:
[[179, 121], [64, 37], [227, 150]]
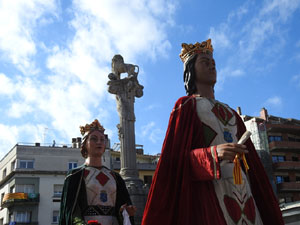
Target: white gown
[[236, 201], [101, 190]]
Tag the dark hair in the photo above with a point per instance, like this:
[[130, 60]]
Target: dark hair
[[189, 75], [83, 149]]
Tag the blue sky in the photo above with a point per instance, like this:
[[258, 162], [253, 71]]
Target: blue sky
[[55, 57]]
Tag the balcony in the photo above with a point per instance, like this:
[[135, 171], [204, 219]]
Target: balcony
[[23, 223], [139, 166], [12, 199], [288, 186], [287, 146], [283, 128], [287, 165]]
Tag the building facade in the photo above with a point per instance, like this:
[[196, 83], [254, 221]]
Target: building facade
[[146, 164], [277, 141], [32, 178]]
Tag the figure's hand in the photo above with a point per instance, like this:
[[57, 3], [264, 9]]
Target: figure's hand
[[131, 209], [229, 150]]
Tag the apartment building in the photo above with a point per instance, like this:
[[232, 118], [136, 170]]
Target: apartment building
[[277, 141], [32, 178]]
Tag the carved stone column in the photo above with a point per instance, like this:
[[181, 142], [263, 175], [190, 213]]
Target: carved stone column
[[126, 90]]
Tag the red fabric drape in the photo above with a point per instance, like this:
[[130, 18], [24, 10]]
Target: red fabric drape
[[176, 198]]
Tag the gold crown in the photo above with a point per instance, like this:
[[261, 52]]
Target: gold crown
[[93, 126], [191, 49]]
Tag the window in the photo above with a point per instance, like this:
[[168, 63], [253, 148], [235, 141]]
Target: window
[[297, 178], [23, 217], [295, 158], [13, 165], [55, 217], [275, 138], [279, 179], [147, 179], [57, 190], [278, 158], [118, 159], [286, 179], [2, 196], [4, 173], [288, 199], [25, 188], [11, 217], [291, 139], [72, 165], [12, 189], [26, 164]]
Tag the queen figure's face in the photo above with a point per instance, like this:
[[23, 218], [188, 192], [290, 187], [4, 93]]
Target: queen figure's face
[[95, 144], [205, 69]]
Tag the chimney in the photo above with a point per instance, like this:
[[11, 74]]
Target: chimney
[[239, 111], [264, 114], [73, 142], [78, 142], [107, 141]]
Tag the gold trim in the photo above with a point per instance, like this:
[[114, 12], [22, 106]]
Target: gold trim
[[182, 104]]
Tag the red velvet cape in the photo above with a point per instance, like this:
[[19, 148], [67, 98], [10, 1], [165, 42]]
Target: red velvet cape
[[177, 197]]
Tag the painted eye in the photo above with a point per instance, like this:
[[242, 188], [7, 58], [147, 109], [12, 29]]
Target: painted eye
[[94, 139]]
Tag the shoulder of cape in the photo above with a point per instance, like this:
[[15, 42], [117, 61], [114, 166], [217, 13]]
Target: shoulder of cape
[[75, 171], [183, 101], [116, 175]]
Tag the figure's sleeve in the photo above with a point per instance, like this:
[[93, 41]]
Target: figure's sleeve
[[205, 163]]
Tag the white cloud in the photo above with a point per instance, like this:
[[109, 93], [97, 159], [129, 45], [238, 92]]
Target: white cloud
[[6, 85], [151, 132], [152, 106], [220, 37], [225, 73], [266, 25], [146, 128], [274, 101], [296, 80], [19, 109], [81, 69], [17, 22], [11, 135], [75, 90]]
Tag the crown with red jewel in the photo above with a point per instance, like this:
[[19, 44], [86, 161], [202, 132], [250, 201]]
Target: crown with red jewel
[[95, 125], [189, 50]]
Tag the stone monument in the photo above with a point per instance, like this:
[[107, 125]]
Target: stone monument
[[126, 89]]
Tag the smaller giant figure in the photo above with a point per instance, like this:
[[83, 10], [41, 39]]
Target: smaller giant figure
[[92, 192], [203, 175]]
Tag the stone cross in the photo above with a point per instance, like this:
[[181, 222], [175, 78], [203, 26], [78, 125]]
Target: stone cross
[[126, 90]]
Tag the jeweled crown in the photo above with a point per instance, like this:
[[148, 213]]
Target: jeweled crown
[[191, 49], [93, 126]]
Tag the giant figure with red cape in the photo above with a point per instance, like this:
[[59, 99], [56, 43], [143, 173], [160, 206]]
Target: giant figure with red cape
[[203, 176]]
